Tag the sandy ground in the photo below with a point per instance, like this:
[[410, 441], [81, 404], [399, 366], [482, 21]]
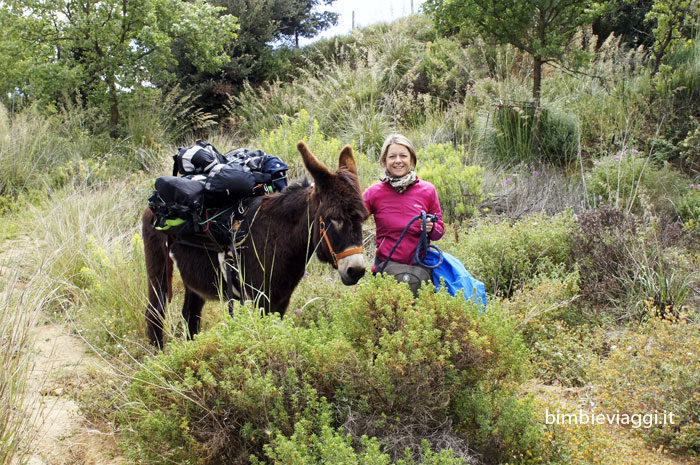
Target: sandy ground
[[60, 371]]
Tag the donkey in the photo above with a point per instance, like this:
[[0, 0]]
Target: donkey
[[287, 228]]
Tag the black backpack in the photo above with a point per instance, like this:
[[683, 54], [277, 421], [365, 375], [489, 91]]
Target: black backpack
[[202, 200], [177, 205]]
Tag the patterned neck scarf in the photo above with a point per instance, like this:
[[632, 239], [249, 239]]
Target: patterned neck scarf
[[402, 183]]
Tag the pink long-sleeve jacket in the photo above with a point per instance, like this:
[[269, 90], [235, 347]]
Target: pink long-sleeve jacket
[[392, 212]]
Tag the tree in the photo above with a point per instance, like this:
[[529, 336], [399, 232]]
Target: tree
[[625, 20], [255, 56], [670, 18], [305, 22], [541, 28], [108, 47]]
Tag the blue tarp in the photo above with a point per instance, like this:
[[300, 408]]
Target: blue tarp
[[456, 277]]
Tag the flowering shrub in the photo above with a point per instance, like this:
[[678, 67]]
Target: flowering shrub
[[689, 208], [656, 370]]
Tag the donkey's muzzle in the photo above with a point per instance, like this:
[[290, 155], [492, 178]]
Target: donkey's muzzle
[[351, 268], [353, 275]]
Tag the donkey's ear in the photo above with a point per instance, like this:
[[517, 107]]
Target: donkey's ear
[[347, 161], [317, 169]]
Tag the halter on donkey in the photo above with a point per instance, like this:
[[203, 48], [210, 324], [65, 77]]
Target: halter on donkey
[[325, 217]]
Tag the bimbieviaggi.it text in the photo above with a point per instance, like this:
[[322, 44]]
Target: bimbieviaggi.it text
[[637, 420]]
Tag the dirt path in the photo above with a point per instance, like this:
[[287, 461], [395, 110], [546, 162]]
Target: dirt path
[[60, 372]]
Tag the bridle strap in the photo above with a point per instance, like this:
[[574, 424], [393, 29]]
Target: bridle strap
[[342, 254]]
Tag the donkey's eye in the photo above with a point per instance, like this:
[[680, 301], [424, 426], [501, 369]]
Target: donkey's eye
[[337, 224]]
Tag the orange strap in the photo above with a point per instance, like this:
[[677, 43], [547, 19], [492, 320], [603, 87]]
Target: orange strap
[[343, 254]]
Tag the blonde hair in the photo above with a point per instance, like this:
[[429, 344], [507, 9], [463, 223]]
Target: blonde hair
[[397, 139]]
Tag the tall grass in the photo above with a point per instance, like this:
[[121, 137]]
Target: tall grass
[[93, 257], [20, 308], [28, 150]]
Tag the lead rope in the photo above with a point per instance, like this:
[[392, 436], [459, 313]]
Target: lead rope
[[422, 244]]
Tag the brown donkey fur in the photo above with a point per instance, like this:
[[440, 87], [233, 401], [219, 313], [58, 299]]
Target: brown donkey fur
[[282, 239]]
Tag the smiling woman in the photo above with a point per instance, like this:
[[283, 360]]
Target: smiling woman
[[396, 200]]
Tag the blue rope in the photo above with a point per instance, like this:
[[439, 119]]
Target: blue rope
[[422, 243]]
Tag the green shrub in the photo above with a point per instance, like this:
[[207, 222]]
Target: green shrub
[[632, 183], [514, 138], [662, 150], [283, 143], [656, 370], [314, 443], [505, 255], [385, 365], [442, 70], [458, 185], [689, 207], [689, 146], [221, 398], [559, 137]]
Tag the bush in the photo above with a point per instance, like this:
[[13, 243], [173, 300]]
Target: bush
[[283, 143], [559, 138], [625, 262], [547, 315], [633, 183], [386, 365], [319, 442], [505, 255], [602, 254], [514, 137], [443, 71], [656, 370], [689, 207], [458, 185]]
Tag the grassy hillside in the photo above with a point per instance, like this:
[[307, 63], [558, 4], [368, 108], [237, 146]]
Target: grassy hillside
[[586, 239]]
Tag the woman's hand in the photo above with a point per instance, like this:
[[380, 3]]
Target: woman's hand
[[429, 225]]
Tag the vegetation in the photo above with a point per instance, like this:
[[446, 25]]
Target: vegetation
[[585, 232], [540, 29]]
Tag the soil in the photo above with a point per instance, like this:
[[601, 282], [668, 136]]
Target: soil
[[60, 372]]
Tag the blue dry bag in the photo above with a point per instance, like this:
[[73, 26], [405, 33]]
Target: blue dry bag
[[456, 277]]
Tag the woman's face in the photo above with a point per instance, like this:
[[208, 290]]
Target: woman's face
[[398, 160]]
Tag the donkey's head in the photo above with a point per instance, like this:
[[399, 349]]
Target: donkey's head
[[339, 215]]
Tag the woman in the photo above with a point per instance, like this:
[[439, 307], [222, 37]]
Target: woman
[[398, 198]]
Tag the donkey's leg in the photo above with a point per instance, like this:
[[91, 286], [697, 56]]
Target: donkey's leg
[[159, 268], [192, 312], [278, 305]]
